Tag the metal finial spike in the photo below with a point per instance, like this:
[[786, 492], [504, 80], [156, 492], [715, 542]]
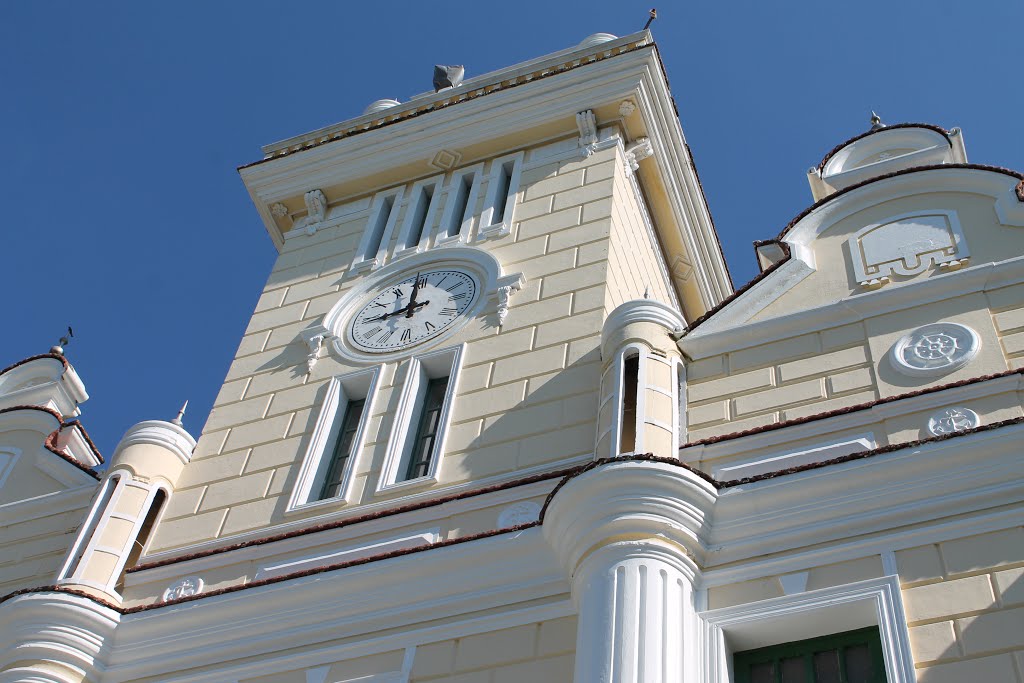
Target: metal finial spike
[[58, 348], [181, 414], [652, 15], [647, 292], [876, 121]]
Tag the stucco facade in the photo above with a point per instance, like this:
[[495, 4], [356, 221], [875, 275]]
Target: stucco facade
[[595, 462]]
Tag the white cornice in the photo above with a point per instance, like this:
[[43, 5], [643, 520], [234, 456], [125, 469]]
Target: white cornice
[[643, 311], [704, 342], [48, 504], [158, 433]]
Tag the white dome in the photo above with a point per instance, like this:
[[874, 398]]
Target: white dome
[[380, 105], [596, 39]]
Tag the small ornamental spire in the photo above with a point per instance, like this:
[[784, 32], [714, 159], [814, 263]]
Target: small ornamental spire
[[58, 348], [876, 121], [181, 414]]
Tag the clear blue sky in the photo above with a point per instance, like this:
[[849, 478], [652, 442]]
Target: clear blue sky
[[123, 124]]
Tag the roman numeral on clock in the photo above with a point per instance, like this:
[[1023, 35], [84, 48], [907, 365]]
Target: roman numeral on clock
[[373, 332], [429, 325], [449, 311], [387, 335], [456, 297], [406, 335]]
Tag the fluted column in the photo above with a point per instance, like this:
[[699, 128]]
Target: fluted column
[[636, 616], [629, 535]]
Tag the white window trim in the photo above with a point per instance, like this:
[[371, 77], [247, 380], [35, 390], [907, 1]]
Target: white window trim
[[428, 219], [404, 417], [880, 604], [619, 396], [355, 386], [443, 239], [679, 422], [88, 531], [488, 228], [364, 262]]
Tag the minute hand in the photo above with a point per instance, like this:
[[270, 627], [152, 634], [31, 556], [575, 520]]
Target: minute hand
[[411, 308]]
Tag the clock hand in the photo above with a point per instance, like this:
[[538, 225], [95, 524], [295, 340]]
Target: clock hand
[[412, 297], [400, 311]]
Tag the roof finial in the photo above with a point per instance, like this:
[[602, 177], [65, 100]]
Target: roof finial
[[58, 348], [653, 14], [876, 121], [181, 414]]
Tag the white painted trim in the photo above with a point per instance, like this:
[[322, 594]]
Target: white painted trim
[[322, 559], [60, 469], [375, 222], [168, 436], [652, 236], [488, 228], [416, 195], [828, 447], [776, 620], [456, 181], [679, 411], [48, 504], [419, 369], [340, 391], [382, 525], [90, 529], [709, 340]]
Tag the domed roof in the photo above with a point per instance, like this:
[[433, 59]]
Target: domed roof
[[380, 105], [596, 39]]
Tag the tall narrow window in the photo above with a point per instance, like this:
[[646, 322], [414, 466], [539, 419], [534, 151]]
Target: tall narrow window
[[458, 211], [335, 475], [383, 215], [416, 445], [418, 216], [145, 531], [422, 445], [85, 534], [501, 195], [337, 440], [630, 382]]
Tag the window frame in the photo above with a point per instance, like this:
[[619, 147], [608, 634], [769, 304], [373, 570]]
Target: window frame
[[418, 371], [490, 229], [364, 261], [341, 390], [872, 602], [415, 195], [442, 237]]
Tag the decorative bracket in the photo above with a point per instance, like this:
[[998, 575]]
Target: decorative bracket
[[314, 339], [641, 149], [507, 285], [316, 211], [587, 124]]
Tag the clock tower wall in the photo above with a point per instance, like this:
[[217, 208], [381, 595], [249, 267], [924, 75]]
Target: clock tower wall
[[527, 391]]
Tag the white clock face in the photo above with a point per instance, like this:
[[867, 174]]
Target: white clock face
[[408, 312]]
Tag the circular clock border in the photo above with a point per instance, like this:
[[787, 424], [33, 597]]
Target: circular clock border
[[478, 264]]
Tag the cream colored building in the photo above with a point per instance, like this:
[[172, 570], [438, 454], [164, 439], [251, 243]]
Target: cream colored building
[[499, 416]]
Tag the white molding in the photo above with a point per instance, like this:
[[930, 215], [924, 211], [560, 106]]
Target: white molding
[[652, 237], [642, 311], [323, 559], [708, 340], [809, 614], [488, 228], [47, 504], [419, 370], [456, 181], [928, 254], [341, 390], [60, 469], [829, 446], [377, 222], [416, 195], [167, 435], [383, 525]]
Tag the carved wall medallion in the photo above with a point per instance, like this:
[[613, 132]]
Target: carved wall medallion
[[518, 513], [935, 349], [626, 108], [183, 588], [907, 245], [445, 160], [953, 419]]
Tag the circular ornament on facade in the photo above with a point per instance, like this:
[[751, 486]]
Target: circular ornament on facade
[[935, 349], [951, 420], [519, 513], [183, 588]]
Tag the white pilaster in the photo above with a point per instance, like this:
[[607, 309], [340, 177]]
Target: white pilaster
[[636, 616]]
